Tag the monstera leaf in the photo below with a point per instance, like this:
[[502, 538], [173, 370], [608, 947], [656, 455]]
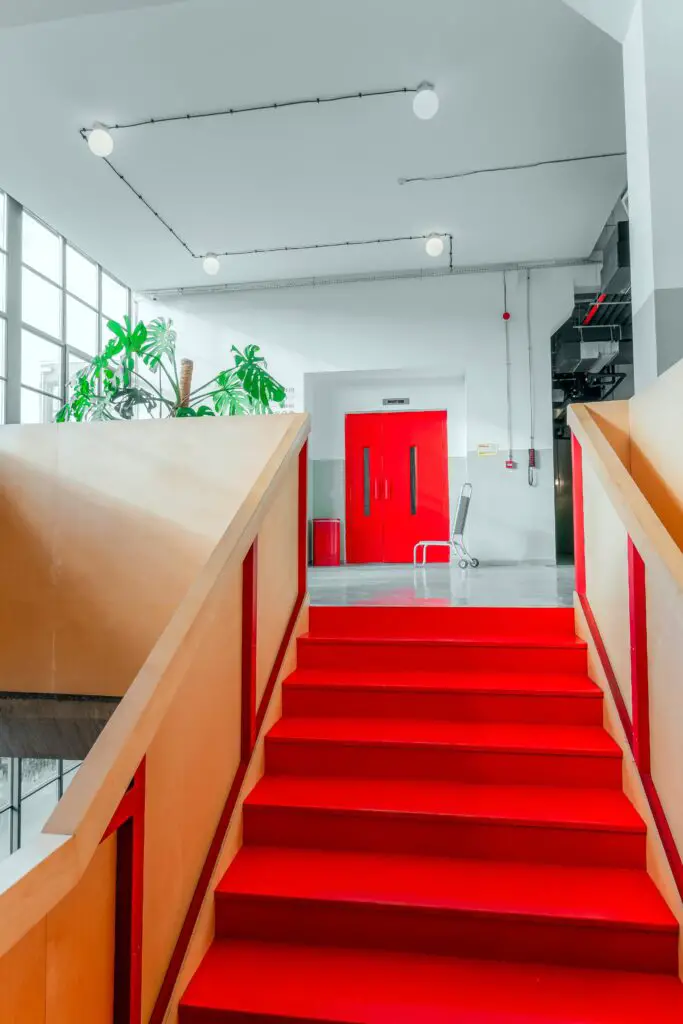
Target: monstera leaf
[[252, 372], [127, 400], [230, 398], [160, 342], [128, 341]]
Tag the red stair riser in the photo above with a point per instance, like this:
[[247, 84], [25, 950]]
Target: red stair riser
[[312, 757], [441, 836], [197, 1015], [442, 622], [355, 702], [446, 932], [431, 657]]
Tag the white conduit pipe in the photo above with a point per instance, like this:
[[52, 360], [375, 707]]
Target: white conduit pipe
[[508, 364], [533, 472]]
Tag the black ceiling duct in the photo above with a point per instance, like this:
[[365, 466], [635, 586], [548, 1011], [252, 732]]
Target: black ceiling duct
[[616, 266]]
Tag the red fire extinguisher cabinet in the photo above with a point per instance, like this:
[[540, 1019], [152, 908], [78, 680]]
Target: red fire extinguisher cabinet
[[326, 541]]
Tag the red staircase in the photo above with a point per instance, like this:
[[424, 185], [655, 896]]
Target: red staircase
[[441, 836]]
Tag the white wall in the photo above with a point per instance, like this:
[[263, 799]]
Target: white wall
[[330, 396], [447, 327]]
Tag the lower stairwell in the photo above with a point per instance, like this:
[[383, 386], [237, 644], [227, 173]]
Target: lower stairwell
[[441, 835]]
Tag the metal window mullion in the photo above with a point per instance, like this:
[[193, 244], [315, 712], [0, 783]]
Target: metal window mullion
[[42, 334], [83, 302], [99, 309], [63, 318], [15, 797], [13, 312], [44, 277]]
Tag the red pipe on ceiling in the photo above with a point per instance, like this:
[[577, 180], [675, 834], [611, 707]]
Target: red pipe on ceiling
[[594, 308]]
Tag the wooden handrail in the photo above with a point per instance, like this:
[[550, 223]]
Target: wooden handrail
[[649, 545], [642, 523], [36, 878]]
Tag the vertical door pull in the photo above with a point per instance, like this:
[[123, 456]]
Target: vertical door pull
[[413, 481], [366, 481]]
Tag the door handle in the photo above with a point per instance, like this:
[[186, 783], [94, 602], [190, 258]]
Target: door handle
[[375, 490], [386, 490]]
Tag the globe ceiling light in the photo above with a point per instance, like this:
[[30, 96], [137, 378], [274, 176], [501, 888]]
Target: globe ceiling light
[[434, 245], [425, 102], [100, 141], [211, 265]]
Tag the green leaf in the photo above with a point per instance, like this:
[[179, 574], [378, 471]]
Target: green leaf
[[230, 398], [184, 411], [101, 409], [205, 410], [261, 387], [128, 399], [160, 342]]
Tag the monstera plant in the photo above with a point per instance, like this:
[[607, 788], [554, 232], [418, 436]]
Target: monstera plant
[[138, 370]]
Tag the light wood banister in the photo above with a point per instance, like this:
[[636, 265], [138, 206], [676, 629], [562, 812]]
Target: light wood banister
[[38, 877]]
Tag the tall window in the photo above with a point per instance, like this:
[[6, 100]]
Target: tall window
[[29, 790], [65, 302], [3, 305]]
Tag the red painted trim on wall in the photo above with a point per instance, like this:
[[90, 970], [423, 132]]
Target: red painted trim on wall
[[189, 923], [249, 638], [665, 834], [671, 851], [303, 519], [579, 527], [624, 717], [128, 823], [640, 687]]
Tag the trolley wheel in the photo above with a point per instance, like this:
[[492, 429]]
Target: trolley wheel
[[475, 563], [462, 563]]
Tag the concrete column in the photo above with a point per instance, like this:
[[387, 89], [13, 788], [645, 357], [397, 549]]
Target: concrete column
[[653, 82]]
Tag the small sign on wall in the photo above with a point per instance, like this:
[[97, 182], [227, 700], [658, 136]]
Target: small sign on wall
[[487, 449], [395, 401]]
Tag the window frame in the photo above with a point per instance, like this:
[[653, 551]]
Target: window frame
[[18, 322]]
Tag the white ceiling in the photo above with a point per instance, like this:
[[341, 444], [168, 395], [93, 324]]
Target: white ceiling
[[519, 81], [23, 12], [612, 16]]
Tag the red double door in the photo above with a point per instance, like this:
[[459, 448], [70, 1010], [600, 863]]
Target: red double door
[[396, 485]]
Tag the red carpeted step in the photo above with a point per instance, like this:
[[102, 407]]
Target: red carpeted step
[[598, 917], [549, 755], [241, 982], [439, 623], [532, 823], [474, 696], [480, 654]]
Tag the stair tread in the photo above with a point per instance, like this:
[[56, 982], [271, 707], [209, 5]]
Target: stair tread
[[549, 642], [566, 739], [591, 895], [571, 808], [464, 682], [341, 986]]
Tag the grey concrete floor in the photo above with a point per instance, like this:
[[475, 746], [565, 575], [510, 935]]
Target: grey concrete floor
[[506, 586]]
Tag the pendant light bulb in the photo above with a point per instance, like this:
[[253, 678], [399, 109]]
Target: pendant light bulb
[[100, 141], [211, 265], [425, 102], [434, 245]]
